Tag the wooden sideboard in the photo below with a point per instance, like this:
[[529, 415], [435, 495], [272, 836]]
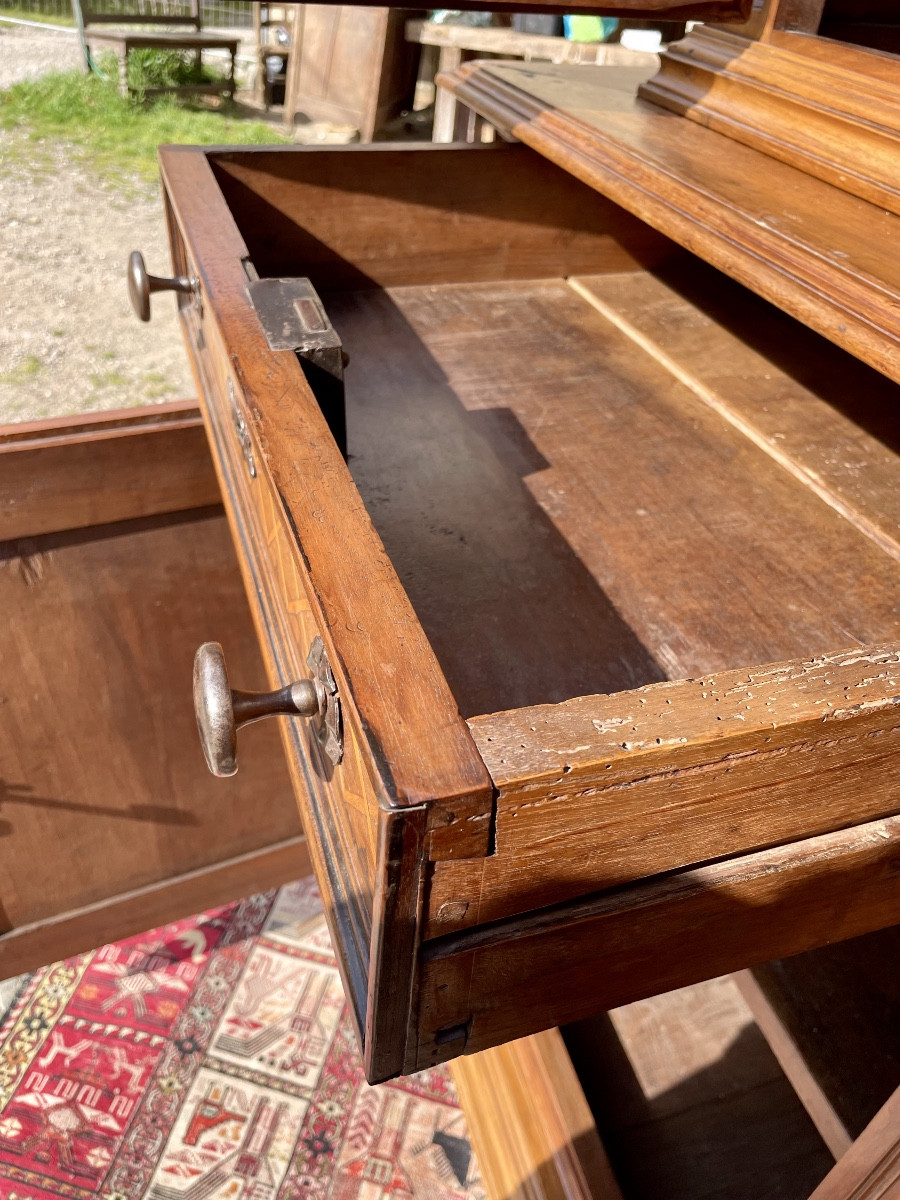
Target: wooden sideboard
[[566, 478], [576, 492]]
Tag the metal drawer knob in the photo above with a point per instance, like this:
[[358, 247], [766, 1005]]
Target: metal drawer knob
[[142, 285], [221, 711]]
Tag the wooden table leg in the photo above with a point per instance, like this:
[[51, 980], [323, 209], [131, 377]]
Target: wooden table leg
[[444, 101]]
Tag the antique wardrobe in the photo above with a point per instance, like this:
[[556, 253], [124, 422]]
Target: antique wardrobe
[[548, 492]]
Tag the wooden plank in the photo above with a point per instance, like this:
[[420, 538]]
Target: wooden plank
[[807, 1087], [870, 1170], [815, 410], [513, 44], [123, 915], [104, 789], [485, 213], [664, 933], [549, 449], [828, 258], [531, 1128], [837, 1007], [599, 791], [151, 461], [444, 101]]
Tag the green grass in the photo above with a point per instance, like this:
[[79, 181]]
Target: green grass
[[25, 372], [118, 134], [26, 14]]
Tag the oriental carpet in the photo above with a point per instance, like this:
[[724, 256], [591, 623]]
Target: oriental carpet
[[214, 1059]]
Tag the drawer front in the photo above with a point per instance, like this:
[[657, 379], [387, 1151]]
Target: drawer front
[[339, 807], [410, 781]]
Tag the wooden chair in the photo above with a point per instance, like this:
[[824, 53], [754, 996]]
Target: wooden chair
[[187, 35]]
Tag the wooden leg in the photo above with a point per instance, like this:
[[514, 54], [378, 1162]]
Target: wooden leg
[[444, 101], [870, 1170], [530, 1124], [123, 73]]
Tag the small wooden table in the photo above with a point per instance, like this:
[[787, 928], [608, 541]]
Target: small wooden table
[[123, 41]]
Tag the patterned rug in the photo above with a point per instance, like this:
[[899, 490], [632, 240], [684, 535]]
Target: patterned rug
[[214, 1059]]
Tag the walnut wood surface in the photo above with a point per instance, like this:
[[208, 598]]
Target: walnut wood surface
[[130, 912], [494, 488], [531, 1127], [835, 115], [423, 214], [104, 790], [602, 790], [515, 977], [827, 257], [870, 1170], [152, 463], [522, 438], [418, 744], [811, 407]]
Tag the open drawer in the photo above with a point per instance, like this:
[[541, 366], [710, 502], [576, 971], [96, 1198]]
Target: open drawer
[[112, 544], [593, 491]]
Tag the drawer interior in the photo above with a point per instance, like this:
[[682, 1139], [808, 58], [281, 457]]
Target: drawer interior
[[595, 462]]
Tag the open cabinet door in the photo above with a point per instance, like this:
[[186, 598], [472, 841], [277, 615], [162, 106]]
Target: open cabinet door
[[115, 564]]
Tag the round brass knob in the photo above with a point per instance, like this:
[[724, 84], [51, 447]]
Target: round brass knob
[[220, 711], [142, 285]]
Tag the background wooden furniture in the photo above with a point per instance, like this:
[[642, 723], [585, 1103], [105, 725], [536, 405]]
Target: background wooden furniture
[[350, 66], [268, 21], [456, 42], [187, 36]]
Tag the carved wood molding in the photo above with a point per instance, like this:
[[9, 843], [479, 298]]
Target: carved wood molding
[[789, 237], [831, 110]]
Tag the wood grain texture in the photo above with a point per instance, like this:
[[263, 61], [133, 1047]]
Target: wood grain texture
[[531, 1127], [100, 626], [150, 462], [123, 915], [350, 66], [403, 710], [811, 407], [600, 791], [826, 257], [338, 809], [837, 1006], [836, 118], [551, 448], [423, 214], [870, 1170], [516, 977], [790, 1057]]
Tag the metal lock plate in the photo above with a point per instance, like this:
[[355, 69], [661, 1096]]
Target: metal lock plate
[[327, 723], [243, 433], [293, 318]]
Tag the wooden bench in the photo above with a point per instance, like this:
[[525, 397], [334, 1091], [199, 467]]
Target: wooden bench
[[188, 36]]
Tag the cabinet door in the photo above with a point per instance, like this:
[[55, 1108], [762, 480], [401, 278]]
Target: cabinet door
[[115, 563]]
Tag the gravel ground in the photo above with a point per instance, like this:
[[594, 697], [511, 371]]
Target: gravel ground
[[68, 339]]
